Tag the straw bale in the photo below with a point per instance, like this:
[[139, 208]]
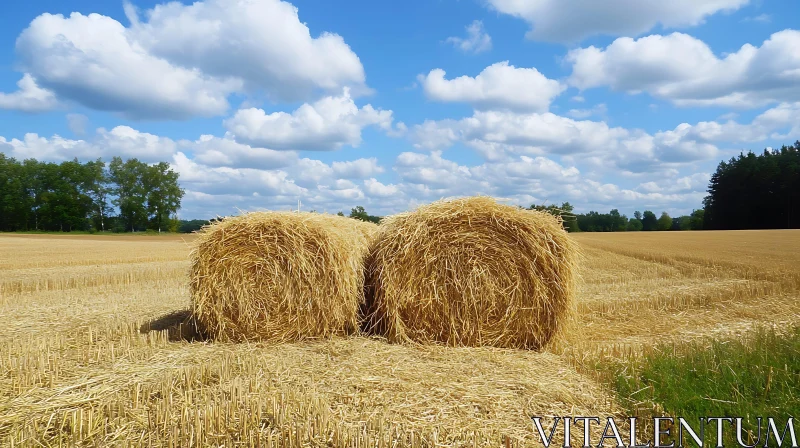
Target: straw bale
[[279, 276], [471, 272]]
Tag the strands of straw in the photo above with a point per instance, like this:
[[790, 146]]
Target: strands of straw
[[279, 276], [471, 272]]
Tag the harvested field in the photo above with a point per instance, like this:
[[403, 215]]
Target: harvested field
[[79, 367]]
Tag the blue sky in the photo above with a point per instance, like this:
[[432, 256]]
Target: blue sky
[[261, 103]]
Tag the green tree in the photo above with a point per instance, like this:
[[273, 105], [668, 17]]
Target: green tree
[[696, 219], [97, 187], [359, 213], [649, 221], [664, 222], [14, 207], [72, 195], [163, 196], [129, 189], [755, 191], [635, 225]]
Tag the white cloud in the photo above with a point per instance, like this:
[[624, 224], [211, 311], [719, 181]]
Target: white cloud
[[497, 135], [574, 20], [525, 180], [684, 70], [262, 42], [184, 60], [477, 40], [377, 189], [91, 60], [498, 86], [225, 152], [433, 171], [29, 98], [239, 181], [357, 169], [120, 141], [432, 134], [696, 182], [325, 125], [128, 142], [781, 122]]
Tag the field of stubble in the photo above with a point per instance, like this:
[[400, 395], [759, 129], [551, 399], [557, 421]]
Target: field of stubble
[[78, 365]]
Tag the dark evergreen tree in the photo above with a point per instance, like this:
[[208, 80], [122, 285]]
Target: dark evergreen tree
[[755, 191]]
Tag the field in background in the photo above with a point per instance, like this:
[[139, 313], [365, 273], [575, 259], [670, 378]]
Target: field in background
[[75, 367]]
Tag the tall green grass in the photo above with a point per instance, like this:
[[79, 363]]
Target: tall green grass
[[757, 375]]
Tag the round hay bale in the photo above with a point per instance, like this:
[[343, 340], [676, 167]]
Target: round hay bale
[[471, 272], [279, 276]]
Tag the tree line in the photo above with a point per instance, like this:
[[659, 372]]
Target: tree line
[[119, 196], [613, 221], [756, 191]]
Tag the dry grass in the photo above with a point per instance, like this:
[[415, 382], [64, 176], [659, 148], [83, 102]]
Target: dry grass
[[471, 272], [279, 276], [643, 288], [76, 370]]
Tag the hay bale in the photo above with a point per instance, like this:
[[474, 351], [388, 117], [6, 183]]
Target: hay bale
[[279, 276], [471, 272]]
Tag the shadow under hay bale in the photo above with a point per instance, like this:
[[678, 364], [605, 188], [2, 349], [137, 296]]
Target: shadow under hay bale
[[470, 272], [279, 276], [180, 326]]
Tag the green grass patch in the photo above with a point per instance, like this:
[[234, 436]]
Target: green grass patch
[[757, 375]]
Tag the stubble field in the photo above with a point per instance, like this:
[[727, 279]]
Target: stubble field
[[90, 352]]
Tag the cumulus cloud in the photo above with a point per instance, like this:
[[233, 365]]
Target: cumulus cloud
[[324, 125], [91, 60], [524, 180], [684, 70], [225, 152], [357, 169], [696, 182], [262, 42], [238, 181], [477, 40], [570, 21], [378, 189], [183, 61], [125, 141], [29, 98], [498, 86], [121, 141], [498, 135]]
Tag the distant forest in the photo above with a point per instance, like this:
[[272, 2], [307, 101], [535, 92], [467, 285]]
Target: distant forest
[[123, 195], [756, 191], [747, 192]]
